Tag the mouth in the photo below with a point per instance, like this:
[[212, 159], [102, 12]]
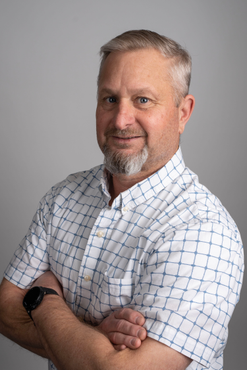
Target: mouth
[[125, 137], [121, 140]]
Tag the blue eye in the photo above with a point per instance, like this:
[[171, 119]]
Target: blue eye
[[144, 100], [111, 99]]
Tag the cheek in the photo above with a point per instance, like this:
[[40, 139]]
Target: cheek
[[99, 132], [99, 120], [102, 123], [164, 128], [102, 119]]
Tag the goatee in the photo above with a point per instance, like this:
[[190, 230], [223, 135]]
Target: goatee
[[117, 162]]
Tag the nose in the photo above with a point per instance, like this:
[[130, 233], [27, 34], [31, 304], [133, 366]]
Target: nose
[[124, 115]]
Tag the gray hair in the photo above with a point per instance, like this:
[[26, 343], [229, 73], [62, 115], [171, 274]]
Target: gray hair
[[180, 70]]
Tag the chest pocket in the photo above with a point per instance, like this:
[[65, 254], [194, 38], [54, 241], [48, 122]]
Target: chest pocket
[[110, 294]]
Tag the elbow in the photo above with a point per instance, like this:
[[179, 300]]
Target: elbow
[[11, 308]]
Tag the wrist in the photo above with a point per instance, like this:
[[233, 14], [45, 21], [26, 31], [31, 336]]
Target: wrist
[[35, 296], [49, 280], [46, 308]]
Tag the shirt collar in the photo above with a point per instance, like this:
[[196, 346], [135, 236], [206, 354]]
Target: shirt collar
[[149, 187]]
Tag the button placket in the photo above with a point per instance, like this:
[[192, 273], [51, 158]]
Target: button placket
[[96, 240], [94, 245]]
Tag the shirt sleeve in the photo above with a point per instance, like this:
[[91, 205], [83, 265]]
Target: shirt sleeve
[[189, 288], [31, 258]]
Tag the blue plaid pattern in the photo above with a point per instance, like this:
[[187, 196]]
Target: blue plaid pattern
[[166, 247]]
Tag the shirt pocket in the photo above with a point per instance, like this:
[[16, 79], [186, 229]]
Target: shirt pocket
[[110, 294]]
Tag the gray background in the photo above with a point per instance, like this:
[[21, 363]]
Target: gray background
[[48, 67]]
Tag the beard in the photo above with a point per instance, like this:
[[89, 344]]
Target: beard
[[120, 163]]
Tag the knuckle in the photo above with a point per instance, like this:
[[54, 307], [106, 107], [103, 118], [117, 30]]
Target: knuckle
[[112, 337], [119, 325], [120, 313]]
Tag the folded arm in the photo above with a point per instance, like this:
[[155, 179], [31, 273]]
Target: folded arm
[[123, 327], [71, 344], [74, 345], [15, 324]]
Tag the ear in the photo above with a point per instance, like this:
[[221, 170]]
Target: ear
[[186, 108]]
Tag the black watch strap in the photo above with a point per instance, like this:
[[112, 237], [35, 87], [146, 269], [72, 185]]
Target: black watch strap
[[34, 297], [49, 291]]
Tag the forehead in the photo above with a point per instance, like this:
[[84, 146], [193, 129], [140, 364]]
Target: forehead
[[137, 66]]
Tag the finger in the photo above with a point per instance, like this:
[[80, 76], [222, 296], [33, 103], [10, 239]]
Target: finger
[[112, 325], [127, 328], [119, 347], [130, 315], [122, 340]]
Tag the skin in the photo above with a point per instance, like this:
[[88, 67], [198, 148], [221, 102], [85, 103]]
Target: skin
[[15, 324], [135, 95]]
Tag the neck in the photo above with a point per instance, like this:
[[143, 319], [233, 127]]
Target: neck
[[119, 183]]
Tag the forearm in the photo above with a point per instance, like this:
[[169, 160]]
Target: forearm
[[15, 323], [70, 344], [73, 345]]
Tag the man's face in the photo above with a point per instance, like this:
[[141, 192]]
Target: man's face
[[136, 111]]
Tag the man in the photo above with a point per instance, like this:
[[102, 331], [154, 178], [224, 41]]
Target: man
[[143, 254]]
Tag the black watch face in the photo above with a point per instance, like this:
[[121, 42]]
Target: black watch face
[[33, 298]]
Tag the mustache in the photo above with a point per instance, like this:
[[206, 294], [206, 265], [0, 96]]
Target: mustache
[[124, 133]]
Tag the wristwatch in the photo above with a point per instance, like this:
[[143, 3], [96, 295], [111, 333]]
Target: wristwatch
[[34, 297]]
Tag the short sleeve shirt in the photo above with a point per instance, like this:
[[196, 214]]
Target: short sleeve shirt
[[165, 247]]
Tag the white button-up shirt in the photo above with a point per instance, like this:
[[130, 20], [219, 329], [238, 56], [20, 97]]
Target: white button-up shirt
[[165, 247]]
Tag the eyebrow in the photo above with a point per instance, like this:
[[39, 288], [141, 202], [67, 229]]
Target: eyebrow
[[106, 90]]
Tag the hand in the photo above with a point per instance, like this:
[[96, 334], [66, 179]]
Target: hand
[[49, 280], [124, 329]]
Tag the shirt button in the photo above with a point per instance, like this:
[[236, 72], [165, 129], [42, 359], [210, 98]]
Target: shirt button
[[100, 234], [87, 278], [125, 209]]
